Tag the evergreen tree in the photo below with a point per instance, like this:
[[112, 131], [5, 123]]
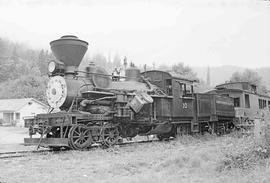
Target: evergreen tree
[[184, 71], [116, 61]]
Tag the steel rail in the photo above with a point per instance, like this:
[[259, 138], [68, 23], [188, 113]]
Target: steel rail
[[18, 154], [15, 154]]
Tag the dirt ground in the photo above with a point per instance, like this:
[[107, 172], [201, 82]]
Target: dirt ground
[[187, 159], [12, 135], [11, 139]]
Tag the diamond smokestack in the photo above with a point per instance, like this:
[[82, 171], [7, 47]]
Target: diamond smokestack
[[69, 50]]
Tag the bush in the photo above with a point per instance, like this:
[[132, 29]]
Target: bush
[[243, 154]]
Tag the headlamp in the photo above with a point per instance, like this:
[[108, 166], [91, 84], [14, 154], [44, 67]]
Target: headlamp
[[51, 66], [55, 67]]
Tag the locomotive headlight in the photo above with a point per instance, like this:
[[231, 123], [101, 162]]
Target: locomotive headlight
[[51, 66], [56, 66]]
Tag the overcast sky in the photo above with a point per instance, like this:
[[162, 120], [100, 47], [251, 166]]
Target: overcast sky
[[196, 32]]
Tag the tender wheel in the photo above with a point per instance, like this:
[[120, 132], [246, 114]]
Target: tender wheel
[[182, 129], [110, 135], [211, 128], [79, 137]]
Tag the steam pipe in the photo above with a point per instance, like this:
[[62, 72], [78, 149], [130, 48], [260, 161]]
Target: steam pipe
[[86, 101]]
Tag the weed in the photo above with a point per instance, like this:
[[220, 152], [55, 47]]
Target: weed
[[243, 154]]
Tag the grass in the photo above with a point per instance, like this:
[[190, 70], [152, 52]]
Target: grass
[[188, 159], [244, 154]]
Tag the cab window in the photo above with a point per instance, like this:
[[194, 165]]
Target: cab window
[[168, 86]]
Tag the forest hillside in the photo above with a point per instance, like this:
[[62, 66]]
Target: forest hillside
[[23, 70]]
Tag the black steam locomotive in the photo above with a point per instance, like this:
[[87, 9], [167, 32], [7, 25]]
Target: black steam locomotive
[[90, 107]]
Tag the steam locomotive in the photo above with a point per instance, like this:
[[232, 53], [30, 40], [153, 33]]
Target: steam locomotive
[[90, 107]]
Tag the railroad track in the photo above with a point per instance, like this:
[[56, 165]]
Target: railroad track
[[19, 154], [137, 142]]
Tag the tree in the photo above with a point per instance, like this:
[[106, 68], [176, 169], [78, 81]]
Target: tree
[[24, 87], [21, 69], [14, 54], [201, 87], [116, 61], [43, 59], [184, 71], [100, 60], [3, 48], [247, 76], [125, 63], [236, 77], [251, 77], [180, 70], [165, 68]]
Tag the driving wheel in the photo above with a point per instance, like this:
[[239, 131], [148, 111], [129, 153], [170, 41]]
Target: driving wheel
[[110, 135], [79, 137]]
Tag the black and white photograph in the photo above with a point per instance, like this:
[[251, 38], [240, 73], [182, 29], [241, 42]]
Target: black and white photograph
[[135, 91]]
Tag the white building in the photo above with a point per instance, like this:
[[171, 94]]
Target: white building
[[19, 111]]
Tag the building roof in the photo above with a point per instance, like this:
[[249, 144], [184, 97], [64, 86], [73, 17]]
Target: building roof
[[13, 105]]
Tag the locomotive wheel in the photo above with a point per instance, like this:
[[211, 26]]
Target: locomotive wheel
[[110, 135], [162, 137], [165, 136], [79, 137], [211, 128], [95, 132], [182, 129]]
